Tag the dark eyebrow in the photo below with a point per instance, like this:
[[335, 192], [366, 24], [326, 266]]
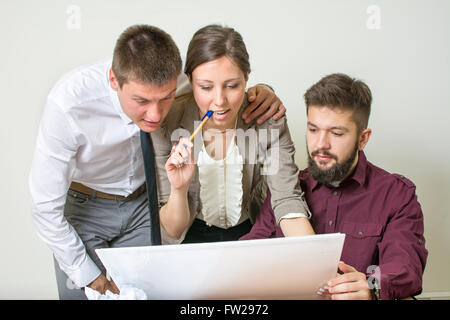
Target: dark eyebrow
[[332, 128], [170, 93], [339, 128], [233, 79], [228, 80], [137, 97]]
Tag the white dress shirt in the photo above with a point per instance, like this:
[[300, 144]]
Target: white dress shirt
[[84, 136], [221, 187]]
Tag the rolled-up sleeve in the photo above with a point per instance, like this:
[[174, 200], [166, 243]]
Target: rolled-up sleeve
[[282, 172], [52, 170], [265, 225]]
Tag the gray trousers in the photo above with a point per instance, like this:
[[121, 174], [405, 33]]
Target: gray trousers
[[103, 223]]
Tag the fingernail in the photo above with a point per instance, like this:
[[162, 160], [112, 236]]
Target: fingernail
[[329, 283]]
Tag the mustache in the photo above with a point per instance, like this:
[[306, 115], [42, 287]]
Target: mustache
[[325, 153]]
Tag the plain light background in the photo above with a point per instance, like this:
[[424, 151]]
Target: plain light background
[[292, 44]]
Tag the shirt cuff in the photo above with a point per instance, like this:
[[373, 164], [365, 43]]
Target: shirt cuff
[[84, 274], [293, 215]]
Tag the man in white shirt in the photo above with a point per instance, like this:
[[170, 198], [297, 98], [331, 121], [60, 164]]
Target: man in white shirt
[[87, 179]]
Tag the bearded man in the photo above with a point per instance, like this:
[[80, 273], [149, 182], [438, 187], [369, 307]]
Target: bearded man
[[384, 252]]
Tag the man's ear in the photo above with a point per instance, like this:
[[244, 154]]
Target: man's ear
[[364, 138], [113, 80]]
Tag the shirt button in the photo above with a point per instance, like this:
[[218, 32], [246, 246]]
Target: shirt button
[[330, 222], [360, 233], [335, 193]]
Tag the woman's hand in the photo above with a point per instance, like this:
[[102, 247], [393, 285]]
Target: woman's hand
[[180, 166]]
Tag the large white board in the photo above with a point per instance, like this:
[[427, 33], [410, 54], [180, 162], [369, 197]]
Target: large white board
[[283, 268]]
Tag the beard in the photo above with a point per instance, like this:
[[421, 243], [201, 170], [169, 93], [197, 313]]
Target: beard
[[336, 173]]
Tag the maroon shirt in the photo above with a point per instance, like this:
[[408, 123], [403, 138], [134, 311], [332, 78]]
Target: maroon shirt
[[381, 218]]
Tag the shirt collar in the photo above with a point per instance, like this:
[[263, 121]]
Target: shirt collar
[[359, 175], [361, 168]]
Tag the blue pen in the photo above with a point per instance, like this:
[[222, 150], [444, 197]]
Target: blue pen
[[205, 118]]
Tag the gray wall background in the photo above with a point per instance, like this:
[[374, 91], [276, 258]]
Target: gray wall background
[[292, 44]]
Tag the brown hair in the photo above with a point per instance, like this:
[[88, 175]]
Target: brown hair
[[212, 42], [146, 54], [341, 91]]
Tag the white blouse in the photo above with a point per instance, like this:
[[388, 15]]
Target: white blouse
[[221, 187]]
